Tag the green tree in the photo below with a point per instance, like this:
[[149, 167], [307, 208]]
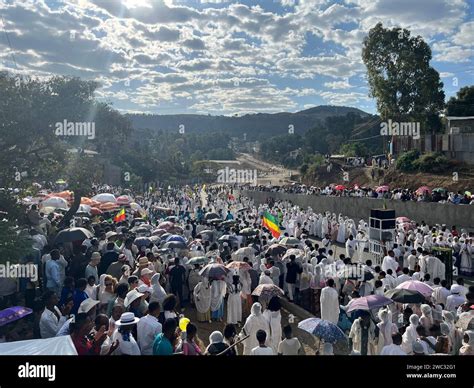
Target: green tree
[[462, 104], [400, 77]]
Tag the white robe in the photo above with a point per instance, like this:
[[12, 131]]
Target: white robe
[[255, 322], [234, 305], [329, 305], [274, 322]]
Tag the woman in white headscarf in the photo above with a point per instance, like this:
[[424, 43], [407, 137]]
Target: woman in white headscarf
[[158, 293], [341, 232], [468, 345], [106, 290], [426, 319], [410, 335], [386, 329], [202, 300], [218, 291], [255, 322]]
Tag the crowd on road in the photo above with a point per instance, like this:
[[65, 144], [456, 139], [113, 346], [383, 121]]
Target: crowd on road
[[118, 279]]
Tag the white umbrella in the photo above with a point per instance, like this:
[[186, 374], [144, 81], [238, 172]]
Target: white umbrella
[[104, 197], [56, 202]]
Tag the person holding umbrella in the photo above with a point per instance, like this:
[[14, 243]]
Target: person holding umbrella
[[364, 335]]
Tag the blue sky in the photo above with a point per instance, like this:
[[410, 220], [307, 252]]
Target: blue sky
[[226, 57]]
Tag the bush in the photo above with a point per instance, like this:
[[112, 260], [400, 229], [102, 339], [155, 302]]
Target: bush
[[406, 161], [432, 162]]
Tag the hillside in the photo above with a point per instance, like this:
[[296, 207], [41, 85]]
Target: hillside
[[256, 126]]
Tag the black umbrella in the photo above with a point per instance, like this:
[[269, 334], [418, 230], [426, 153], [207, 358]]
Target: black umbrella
[[405, 296], [174, 245], [211, 216], [72, 234]]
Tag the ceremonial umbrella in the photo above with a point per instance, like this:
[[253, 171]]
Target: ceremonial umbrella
[[214, 271], [12, 314], [327, 331], [238, 265], [405, 296], [124, 200], [368, 303], [416, 285], [290, 241], [265, 292], [72, 234]]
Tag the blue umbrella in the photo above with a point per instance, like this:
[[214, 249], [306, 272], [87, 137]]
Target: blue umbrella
[[142, 241], [327, 331], [176, 237]]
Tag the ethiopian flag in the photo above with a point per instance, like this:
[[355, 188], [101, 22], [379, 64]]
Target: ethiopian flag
[[120, 216], [271, 223]]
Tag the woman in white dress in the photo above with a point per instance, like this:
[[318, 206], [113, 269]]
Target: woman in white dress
[[202, 300], [273, 316], [341, 232], [234, 301], [255, 322]]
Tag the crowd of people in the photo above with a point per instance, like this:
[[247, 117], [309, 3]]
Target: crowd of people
[[422, 194], [130, 284]]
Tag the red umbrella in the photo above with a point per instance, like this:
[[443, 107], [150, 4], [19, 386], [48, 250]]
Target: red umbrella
[[382, 188], [340, 187]]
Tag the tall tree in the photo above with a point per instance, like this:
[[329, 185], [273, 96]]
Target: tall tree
[[463, 103], [400, 77]]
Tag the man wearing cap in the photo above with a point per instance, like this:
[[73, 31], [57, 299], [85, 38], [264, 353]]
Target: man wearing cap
[[132, 302]]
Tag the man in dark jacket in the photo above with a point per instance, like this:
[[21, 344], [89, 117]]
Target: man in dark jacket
[[292, 271]]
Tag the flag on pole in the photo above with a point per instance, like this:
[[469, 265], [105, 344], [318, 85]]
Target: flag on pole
[[120, 216], [271, 223]]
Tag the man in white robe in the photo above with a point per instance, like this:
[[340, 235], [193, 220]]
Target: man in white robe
[[330, 303]]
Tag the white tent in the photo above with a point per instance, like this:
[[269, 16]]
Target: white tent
[[56, 346]]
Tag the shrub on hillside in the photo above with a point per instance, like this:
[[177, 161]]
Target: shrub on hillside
[[406, 161], [432, 162]]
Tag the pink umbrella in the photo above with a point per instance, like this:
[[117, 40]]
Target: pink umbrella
[[416, 285], [124, 200], [238, 265], [421, 190], [403, 219], [158, 232], [368, 303], [167, 225], [382, 188]]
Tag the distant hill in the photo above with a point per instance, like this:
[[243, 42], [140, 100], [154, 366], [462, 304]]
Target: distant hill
[[257, 126]]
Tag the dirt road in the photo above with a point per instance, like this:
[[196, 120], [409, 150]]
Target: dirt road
[[267, 173]]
